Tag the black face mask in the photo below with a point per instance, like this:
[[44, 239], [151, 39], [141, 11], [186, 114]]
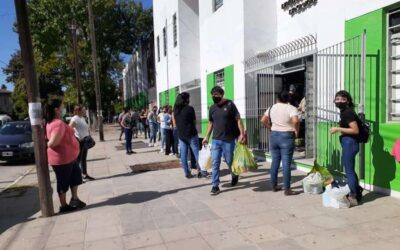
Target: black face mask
[[216, 99], [341, 105]]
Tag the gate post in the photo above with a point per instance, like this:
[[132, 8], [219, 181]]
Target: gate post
[[362, 102]]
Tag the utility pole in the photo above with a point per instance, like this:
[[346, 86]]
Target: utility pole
[[74, 30], [35, 109], [95, 70]]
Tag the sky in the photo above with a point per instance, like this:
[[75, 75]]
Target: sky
[[9, 40]]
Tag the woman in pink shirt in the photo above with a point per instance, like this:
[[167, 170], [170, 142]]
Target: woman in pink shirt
[[62, 154]]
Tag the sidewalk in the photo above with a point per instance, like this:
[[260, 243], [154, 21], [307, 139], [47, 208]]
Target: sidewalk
[[164, 210]]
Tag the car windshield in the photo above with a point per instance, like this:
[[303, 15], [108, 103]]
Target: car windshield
[[15, 129]]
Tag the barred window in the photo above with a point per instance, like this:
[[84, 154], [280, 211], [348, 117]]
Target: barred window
[[158, 48], [175, 30], [393, 57], [165, 40], [219, 77], [218, 4]]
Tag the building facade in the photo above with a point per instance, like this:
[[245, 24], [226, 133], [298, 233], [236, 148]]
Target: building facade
[[255, 49], [138, 82], [5, 102]]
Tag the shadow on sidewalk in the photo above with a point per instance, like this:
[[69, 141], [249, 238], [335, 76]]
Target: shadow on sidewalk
[[17, 205]]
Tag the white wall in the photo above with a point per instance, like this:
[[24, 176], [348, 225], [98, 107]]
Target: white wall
[[326, 19], [221, 44]]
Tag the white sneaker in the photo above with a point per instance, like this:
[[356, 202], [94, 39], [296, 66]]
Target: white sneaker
[[152, 144], [171, 154], [149, 144], [162, 151]]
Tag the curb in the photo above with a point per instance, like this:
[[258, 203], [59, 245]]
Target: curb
[[18, 179]]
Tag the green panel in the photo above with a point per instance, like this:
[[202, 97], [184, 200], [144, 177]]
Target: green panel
[[204, 125], [229, 83], [172, 95], [381, 169], [210, 85]]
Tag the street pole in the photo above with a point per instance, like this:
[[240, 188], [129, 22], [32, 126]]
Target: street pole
[[74, 30], [35, 109], [95, 71]]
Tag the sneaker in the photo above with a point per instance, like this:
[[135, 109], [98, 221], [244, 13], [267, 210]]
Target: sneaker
[[132, 152], [128, 153], [171, 154], [215, 190], [77, 203], [235, 180], [88, 177], [352, 199], [66, 209], [291, 192], [149, 144], [162, 151], [276, 189], [189, 176]]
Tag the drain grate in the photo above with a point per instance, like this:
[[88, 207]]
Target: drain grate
[[155, 166]]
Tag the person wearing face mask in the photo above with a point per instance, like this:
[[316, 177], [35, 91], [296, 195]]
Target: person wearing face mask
[[62, 154], [349, 128], [224, 120], [152, 120]]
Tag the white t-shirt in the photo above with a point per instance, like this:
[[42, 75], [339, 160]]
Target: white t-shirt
[[161, 119], [81, 127], [280, 117]]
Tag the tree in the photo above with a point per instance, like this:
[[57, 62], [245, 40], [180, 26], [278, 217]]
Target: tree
[[119, 25], [3, 87]]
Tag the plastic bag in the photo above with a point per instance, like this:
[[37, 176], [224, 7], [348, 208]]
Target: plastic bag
[[327, 177], [312, 183], [336, 197], [205, 161], [243, 160]]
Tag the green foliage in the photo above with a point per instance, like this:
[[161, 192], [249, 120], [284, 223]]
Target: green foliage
[[119, 24]]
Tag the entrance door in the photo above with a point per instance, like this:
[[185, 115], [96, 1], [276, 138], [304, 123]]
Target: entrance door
[[339, 67]]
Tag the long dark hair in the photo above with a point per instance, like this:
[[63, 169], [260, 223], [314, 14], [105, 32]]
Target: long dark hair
[[49, 114], [283, 96], [181, 101], [344, 93]]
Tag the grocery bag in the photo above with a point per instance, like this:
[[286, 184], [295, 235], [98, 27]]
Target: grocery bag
[[326, 175], [312, 183], [336, 196], [243, 160], [205, 161]]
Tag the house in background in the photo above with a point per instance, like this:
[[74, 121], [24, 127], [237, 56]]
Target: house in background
[[5, 101]]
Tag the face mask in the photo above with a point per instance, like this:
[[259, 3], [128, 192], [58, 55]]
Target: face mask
[[341, 105], [63, 112], [216, 99]]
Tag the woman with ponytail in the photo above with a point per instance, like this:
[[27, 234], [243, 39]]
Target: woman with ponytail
[[62, 154]]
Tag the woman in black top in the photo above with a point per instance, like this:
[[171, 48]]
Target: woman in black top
[[349, 127], [185, 119]]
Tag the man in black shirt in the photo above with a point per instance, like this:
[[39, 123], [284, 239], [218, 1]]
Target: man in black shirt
[[224, 119]]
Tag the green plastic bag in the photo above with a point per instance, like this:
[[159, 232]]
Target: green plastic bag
[[243, 160], [326, 175]]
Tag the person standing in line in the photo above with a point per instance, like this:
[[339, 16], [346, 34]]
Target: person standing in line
[[283, 120], [349, 140], [169, 137], [185, 119], [81, 128], [135, 123], [143, 120], [126, 123], [119, 122], [224, 119], [152, 120], [62, 152], [175, 134], [161, 122]]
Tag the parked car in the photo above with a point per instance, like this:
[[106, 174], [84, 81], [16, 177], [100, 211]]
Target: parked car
[[16, 141], [4, 119]]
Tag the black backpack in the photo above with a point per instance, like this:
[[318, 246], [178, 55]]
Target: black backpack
[[364, 130]]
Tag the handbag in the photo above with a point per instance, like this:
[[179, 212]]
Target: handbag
[[88, 142]]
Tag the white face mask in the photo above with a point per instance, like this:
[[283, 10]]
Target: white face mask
[[63, 112]]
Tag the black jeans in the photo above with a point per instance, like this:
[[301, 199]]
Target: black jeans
[[82, 158], [169, 137]]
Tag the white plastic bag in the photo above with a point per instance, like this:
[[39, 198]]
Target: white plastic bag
[[312, 183], [336, 197], [205, 162]]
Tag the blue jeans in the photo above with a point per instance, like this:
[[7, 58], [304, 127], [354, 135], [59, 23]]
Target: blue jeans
[[128, 138], [153, 132], [350, 148], [282, 146], [193, 143], [163, 134], [218, 148], [176, 140]]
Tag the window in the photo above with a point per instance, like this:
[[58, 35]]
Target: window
[[175, 30], [393, 63], [219, 77], [165, 40], [218, 4], [158, 48]]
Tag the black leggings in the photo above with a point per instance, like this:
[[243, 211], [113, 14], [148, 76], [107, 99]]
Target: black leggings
[[82, 157], [169, 137]]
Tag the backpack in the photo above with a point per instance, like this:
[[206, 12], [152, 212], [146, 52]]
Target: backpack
[[364, 130]]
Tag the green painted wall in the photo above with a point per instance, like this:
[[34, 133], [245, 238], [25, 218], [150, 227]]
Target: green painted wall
[[381, 168], [172, 95], [137, 102], [229, 82], [210, 85]]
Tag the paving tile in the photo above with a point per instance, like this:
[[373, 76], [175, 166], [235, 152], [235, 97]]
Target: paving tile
[[27, 244], [330, 239], [178, 233], [142, 240], [98, 233], [161, 211], [106, 244], [155, 247], [175, 220], [224, 240], [283, 244], [137, 226], [65, 239], [296, 226], [262, 233], [202, 215], [102, 220], [68, 227], [78, 246], [196, 243], [212, 226]]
